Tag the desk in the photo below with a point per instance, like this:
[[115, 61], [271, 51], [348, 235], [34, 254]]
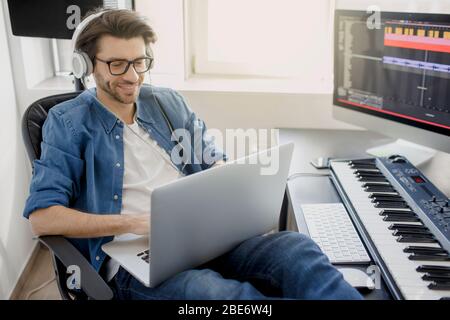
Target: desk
[[314, 143], [310, 144]]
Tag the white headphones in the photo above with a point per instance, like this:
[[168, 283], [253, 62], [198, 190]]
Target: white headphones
[[82, 65]]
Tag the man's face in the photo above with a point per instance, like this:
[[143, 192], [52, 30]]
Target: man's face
[[124, 88]]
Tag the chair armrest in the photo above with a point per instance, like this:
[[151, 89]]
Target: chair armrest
[[92, 283]]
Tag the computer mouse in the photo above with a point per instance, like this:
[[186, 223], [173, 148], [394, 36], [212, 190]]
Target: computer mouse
[[357, 278]]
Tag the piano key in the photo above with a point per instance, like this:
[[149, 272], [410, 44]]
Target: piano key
[[434, 269], [363, 166], [422, 249], [367, 171], [379, 188], [368, 174], [437, 278], [410, 230], [397, 233], [387, 199], [416, 239], [404, 214], [390, 204], [364, 161], [376, 184], [439, 286], [399, 226], [398, 218], [372, 179], [429, 257], [384, 195]]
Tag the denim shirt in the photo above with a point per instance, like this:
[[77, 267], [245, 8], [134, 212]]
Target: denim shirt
[[82, 159]]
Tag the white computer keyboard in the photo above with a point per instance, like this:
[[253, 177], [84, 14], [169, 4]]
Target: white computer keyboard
[[331, 228]]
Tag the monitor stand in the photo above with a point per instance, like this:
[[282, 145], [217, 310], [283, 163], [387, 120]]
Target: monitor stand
[[416, 154]]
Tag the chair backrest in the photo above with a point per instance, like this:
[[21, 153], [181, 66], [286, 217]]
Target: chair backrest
[[32, 122], [34, 118]]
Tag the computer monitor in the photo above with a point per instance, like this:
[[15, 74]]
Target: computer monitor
[[48, 18], [394, 78]]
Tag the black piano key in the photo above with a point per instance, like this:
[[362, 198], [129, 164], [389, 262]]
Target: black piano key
[[433, 269], [428, 257], [415, 239], [411, 231], [436, 277], [406, 213], [391, 204], [439, 286], [397, 233], [367, 160], [372, 179], [387, 199], [369, 174], [363, 166], [420, 249], [379, 188], [416, 235], [384, 195], [399, 226], [367, 171], [377, 184], [397, 218]]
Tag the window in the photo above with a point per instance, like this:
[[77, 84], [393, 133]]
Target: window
[[262, 38]]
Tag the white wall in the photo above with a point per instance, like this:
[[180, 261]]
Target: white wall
[[15, 241]]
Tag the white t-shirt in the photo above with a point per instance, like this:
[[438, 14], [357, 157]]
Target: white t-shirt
[[147, 166]]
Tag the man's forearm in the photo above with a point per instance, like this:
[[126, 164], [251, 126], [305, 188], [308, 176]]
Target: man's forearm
[[59, 220]]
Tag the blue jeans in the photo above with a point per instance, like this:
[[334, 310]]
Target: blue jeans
[[282, 265]]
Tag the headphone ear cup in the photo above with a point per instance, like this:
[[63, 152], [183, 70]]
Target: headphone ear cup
[[89, 64], [81, 65], [78, 65]]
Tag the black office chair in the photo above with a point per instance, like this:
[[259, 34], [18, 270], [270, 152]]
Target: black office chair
[[64, 254]]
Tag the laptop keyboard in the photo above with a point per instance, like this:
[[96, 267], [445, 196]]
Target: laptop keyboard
[[144, 255]]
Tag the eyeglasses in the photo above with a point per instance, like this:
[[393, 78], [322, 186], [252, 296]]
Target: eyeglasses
[[120, 67]]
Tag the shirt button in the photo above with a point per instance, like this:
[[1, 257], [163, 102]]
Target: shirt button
[[118, 165], [117, 137], [97, 258], [116, 197]]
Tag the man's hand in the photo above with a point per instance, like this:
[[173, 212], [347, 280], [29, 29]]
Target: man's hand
[[139, 223]]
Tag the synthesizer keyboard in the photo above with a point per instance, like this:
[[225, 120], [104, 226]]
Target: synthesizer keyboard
[[404, 221]]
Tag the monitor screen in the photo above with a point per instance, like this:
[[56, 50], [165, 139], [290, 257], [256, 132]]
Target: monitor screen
[[53, 19], [399, 70]]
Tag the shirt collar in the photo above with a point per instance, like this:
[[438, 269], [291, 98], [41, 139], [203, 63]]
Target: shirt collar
[[109, 119]]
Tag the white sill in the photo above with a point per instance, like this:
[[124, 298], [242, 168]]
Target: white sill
[[211, 84]]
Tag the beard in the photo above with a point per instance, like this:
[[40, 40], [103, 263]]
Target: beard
[[115, 90]]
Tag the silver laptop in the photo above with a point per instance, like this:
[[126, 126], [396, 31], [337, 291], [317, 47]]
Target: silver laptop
[[202, 216]]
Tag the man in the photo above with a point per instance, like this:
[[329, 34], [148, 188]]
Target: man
[[105, 151]]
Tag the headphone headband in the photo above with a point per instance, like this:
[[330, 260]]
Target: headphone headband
[[82, 66], [82, 25]]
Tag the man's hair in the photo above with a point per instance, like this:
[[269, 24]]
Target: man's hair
[[124, 24]]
